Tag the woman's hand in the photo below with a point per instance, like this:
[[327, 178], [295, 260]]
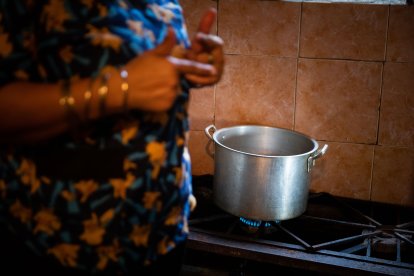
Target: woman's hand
[[207, 49], [154, 77]]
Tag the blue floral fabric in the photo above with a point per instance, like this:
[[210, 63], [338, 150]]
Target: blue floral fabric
[[118, 196]]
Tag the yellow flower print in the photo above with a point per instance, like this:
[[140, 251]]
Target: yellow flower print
[[139, 235], [129, 165], [103, 10], [86, 188], [104, 38], [66, 253], [90, 141], [5, 46], [106, 253], [68, 195], [121, 185], [150, 199], [87, 3], [19, 211], [178, 176], [179, 141], [128, 133], [107, 216], [21, 75], [93, 231], [27, 173], [157, 156], [45, 180], [46, 222], [3, 188], [42, 71], [174, 217], [54, 15], [66, 54], [107, 69], [164, 245]]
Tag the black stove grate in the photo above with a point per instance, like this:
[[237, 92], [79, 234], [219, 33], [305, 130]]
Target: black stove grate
[[333, 232]]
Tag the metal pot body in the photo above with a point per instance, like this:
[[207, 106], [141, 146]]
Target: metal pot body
[[262, 173]]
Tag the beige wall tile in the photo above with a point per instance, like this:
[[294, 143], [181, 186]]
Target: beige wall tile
[[201, 108], [200, 148], [259, 27], [338, 100], [344, 31], [401, 34], [345, 170], [393, 176], [397, 105], [256, 90]]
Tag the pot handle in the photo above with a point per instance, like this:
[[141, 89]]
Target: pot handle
[[208, 129], [319, 153]]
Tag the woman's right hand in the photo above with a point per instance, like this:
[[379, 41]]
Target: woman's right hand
[[154, 77]]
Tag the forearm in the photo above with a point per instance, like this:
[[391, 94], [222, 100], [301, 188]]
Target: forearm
[[31, 111]]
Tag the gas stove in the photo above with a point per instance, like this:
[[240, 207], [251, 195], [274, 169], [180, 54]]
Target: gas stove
[[334, 236]]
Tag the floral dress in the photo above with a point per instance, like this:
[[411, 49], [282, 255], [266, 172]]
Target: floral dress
[[118, 196]]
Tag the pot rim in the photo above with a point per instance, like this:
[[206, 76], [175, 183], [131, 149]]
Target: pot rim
[[217, 132]]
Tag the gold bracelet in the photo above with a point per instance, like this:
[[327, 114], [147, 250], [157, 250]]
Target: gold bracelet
[[68, 102], [102, 93], [124, 88], [87, 96]]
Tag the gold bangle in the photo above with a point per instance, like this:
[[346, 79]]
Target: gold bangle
[[124, 88], [102, 93], [87, 96], [68, 102]]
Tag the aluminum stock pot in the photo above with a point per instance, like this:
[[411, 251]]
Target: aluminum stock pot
[[262, 173]]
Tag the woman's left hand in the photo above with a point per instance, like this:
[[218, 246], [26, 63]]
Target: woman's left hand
[[206, 48]]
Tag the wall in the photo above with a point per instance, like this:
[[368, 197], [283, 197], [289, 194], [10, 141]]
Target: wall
[[340, 73]]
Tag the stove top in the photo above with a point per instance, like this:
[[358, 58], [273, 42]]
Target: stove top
[[334, 236]]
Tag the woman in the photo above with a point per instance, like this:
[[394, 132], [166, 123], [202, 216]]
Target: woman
[[94, 174]]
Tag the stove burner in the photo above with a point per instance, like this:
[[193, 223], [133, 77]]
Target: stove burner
[[254, 226], [256, 223], [251, 223]]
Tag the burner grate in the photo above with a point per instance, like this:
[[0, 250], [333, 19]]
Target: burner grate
[[333, 232]]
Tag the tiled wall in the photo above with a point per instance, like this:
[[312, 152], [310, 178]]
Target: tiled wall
[[340, 73]]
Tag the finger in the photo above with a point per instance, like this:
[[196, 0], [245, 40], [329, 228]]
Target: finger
[[167, 45], [186, 66], [205, 25], [202, 80], [209, 41], [207, 21]]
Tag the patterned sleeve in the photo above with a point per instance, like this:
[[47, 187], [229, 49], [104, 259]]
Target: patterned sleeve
[[77, 38], [16, 41]]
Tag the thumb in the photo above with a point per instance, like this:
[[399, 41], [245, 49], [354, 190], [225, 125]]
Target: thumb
[[167, 45]]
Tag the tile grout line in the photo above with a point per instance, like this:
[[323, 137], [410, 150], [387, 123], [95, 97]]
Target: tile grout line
[[297, 68], [380, 103]]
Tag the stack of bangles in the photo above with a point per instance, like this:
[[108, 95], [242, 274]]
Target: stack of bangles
[[68, 101]]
